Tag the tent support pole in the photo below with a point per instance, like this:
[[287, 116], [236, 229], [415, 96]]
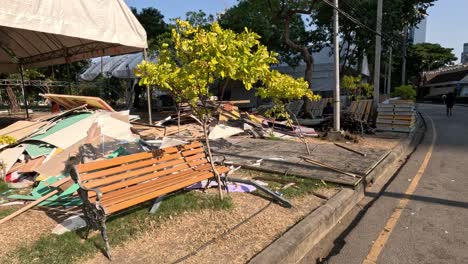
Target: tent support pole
[[69, 79], [22, 90], [148, 93]]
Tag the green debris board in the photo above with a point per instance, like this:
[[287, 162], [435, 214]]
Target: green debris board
[[36, 148], [62, 199]]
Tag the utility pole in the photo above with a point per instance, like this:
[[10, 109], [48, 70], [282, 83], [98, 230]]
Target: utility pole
[[403, 63], [389, 76], [336, 53], [378, 51]]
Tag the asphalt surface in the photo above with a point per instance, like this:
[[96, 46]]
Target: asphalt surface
[[433, 227]]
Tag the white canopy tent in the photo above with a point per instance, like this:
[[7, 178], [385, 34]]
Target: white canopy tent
[[121, 67], [38, 33]]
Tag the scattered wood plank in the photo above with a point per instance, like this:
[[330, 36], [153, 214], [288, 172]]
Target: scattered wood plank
[[38, 201], [329, 167], [350, 149]]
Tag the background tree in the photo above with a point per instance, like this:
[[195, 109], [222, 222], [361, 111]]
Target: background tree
[[427, 56], [200, 58], [199, 18], [152, 21], [355, 86], [297, 28], [397, 15]]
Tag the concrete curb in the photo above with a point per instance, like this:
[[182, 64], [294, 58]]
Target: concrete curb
[[300, 239], [402, 151], [297, 242]]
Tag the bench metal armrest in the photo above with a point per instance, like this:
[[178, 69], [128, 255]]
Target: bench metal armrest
[[76, 178], [219, 155]]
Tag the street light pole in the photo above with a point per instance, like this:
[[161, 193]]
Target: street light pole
[[389, 76], [336, 53], [403, 63], [378, 51]]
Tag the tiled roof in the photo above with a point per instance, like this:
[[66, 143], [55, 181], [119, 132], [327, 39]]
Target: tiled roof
[[449, 77]]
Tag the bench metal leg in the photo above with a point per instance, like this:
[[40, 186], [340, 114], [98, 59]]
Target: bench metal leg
[[104, 237], [156, 204]]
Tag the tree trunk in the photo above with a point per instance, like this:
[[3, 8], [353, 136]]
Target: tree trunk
[[306, 56], [213, 167]]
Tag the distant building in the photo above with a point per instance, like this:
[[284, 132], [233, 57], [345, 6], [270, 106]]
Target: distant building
[[464, 55], [323, 80], [445, 80], [417, 33]]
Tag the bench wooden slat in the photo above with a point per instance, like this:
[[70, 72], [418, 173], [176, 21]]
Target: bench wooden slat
[[151, 186], [194, 157], [113, 162], [117, 192], [126, 167], [195, 144], [193, 151], [152, 195], [194, 163], [131, 176], [152, 176]]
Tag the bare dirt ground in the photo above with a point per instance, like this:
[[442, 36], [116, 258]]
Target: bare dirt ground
[[232, 236], [24, 229]]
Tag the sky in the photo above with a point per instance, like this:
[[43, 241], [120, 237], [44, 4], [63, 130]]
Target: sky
[[446, 23]]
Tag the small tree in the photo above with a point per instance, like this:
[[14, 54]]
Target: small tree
[[405, 92], [202, 57], [355, 86]]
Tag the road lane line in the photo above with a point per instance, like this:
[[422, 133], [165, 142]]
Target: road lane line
[[382, 239]]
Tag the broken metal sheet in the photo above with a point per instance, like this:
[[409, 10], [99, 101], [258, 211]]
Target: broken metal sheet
[[72, 223], [171, 142], [115, 128], [232, 187], [223, 131]]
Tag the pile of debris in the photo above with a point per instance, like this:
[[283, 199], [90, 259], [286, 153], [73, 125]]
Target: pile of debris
[[396, 115], [228, 121], [42, 151]]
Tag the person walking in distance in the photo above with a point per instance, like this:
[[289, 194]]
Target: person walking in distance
[[450, 101]]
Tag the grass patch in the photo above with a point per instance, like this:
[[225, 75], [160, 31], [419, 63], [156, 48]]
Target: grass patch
[[3, 186], [7, 211], [301, 187], [70, 247]]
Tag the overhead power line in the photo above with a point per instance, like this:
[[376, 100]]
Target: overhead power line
[[351, 18]]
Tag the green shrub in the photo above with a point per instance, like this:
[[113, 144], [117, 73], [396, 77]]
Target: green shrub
[[405, 92]]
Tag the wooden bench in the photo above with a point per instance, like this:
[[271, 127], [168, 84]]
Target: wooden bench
[[111, 186]]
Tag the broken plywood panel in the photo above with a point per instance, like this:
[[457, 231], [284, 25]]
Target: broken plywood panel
[[9, 156], [21, 129], [283, 157], [73, 101]]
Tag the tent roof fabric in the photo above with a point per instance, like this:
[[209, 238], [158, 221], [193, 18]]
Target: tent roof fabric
[[38, 33], [121, 66]]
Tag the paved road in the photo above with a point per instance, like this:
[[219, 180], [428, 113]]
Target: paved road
[[433, 225]]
